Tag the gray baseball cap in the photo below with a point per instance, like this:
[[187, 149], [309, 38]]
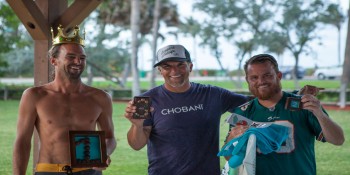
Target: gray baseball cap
[[172, 53]]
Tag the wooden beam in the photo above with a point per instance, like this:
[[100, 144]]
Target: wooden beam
[[31, 17], [80, 9]]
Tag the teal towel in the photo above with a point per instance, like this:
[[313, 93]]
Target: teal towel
[[268, 139]]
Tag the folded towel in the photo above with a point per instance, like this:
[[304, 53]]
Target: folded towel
[[268, 139]]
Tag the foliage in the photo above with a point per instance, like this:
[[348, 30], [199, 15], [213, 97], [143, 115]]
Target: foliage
[[20, 62], [13, 36], [107, 59], [333, 16], [276, 26], [118, 12]]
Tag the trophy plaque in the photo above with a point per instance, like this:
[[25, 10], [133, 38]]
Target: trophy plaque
[[87, 149], [143, 104], [293, 104]]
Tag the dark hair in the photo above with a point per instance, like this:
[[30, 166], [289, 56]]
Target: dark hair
[[261, 58], [53, 53]]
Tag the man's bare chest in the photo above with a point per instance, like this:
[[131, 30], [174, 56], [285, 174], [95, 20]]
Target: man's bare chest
[[69, 109]]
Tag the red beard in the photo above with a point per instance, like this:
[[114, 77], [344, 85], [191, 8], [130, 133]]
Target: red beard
[[266, 93]]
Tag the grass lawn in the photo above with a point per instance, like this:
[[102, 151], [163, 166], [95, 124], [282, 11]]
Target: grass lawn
[[286, 84], [125, 161]]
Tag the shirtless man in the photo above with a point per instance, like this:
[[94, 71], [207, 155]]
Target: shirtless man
[[57, 107]]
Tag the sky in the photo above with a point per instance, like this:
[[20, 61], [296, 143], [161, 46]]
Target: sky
[[324, 55]]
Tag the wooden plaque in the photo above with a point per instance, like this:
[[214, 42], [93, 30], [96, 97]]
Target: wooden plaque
[[293, 104], [143, 105], [87, 149]]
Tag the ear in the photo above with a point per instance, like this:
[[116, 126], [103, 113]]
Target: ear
[[159, 69], [279, 75], [191, 67], [53, 61]]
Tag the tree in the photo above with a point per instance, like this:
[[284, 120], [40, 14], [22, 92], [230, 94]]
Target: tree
[[240, 22], [335, 17], [135, 19], [156, 20], [20, 62], [192, 27], [118, 13], [12, 34], [210, 38], [346, 69], [297, 28]]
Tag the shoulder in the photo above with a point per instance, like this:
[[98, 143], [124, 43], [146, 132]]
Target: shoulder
[[36, 91], [97, 94], [154, 91], [199, 87]]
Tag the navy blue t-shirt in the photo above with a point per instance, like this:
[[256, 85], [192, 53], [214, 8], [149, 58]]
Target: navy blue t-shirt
[[185, 129]]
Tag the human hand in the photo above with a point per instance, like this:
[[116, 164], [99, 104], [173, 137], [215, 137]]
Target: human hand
[[311, 103], [129, 112], [108, 162], [237, 131]]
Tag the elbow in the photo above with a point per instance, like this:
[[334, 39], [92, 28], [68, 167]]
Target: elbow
[[136, 147], [340, 141]]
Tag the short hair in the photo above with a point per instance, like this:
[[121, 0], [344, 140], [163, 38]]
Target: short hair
[[54, 51], [261, 58]]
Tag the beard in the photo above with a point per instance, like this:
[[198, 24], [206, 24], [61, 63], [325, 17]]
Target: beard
[[73, 74], [266, 93], [176, 84]]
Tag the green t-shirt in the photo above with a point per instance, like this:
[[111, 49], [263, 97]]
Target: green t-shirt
[[297, 154]]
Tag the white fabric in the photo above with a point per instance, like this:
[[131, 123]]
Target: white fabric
[[249, 162]]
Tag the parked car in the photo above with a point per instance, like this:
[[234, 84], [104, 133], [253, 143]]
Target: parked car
[[288, 70], [328, 72]]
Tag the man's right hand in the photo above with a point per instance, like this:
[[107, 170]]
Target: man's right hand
[[237, 131], [129, 112]]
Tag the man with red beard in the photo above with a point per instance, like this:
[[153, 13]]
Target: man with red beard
[[309, 123], [182, 134], [58, 107]]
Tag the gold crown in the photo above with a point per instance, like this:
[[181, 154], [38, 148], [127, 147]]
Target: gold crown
[[61, 38]]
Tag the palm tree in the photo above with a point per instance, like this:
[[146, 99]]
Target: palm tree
[[135, 29], [335, 17], [346, 69], [156, 19]]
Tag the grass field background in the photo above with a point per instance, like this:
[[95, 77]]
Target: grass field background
[[331, 159], [125, 161]]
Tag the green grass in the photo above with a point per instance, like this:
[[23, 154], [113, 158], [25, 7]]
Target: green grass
[[286, 84], [125, 161]]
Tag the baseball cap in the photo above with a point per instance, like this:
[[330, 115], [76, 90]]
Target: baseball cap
[[172, 53]]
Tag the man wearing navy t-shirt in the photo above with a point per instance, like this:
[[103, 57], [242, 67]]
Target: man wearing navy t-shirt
[[182, 134]]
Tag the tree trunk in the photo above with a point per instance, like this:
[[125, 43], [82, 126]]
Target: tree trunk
[[126, 72], [295, 71], [155, 39], [135, 28], [339, 45], [90, 76], [194, 55], [346, 69]]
